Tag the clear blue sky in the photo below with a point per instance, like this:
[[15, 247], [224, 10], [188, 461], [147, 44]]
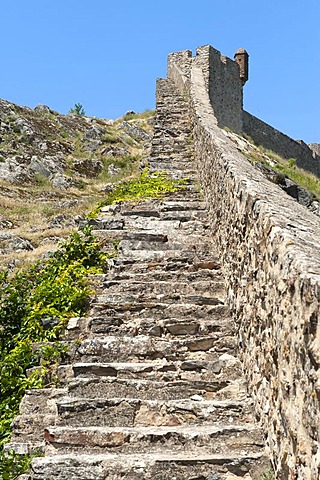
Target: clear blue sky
[[107, 55]]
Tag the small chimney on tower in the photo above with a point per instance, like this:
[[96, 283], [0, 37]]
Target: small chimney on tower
[[242, 59]]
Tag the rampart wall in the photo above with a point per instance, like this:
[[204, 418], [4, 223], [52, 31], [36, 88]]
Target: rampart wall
[[270, 138], [270, 250]]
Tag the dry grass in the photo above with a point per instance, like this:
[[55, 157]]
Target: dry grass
[[17, 260]]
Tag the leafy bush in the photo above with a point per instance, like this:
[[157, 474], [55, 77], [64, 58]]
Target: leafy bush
[[53, 290], [13, 465]]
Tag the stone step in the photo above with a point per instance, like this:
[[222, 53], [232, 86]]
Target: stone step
[[230, 465], [129, 412], [185, 263], [213, 439], [136, 236], [170, 223], [152, 274], [143, 347], [129, 309], [222, 387], [132, 412], [162, 300], [139, 251], [170, 247], [159, 369], [164, 206], [192, 286], [134, 325]]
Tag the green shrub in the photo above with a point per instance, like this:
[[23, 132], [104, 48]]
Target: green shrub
[[77, 109], [56, 289], [13, 465]]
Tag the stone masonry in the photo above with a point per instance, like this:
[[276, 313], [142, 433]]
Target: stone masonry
[[269, 247], [153, 387]]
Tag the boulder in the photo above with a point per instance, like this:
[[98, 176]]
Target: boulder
[[62, 182], [88, 168], [12, 243]]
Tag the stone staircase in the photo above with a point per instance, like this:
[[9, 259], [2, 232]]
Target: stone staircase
[[153, 388]]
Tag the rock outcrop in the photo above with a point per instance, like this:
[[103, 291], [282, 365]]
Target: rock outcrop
[[53, 165]]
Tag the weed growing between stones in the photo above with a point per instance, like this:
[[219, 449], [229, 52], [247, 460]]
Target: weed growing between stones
[[35, 305], [143, 115], [145, 186], [269, 475]]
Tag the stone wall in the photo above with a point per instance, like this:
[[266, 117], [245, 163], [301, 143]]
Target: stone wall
[[222, 78], [270, 249], [270, 138]]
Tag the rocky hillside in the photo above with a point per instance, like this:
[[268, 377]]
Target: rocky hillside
[[54, 167], [299, 184]]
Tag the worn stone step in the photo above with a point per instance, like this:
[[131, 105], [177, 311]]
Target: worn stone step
[[117, 324], [135, 251], [156, 206], [185, 263], [153, 277], [162, 300], [168, 205], [230, 465], [134, 236], [163, 226], [129, 309], [124, 323], [153, 219], [171, 223], [222, 368], [213, 439], [167, 388], [133, 412], [151, 274], [195, 287], [141, 347], [173, 240]]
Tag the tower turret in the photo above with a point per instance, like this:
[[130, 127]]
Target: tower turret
[[242, 58]]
